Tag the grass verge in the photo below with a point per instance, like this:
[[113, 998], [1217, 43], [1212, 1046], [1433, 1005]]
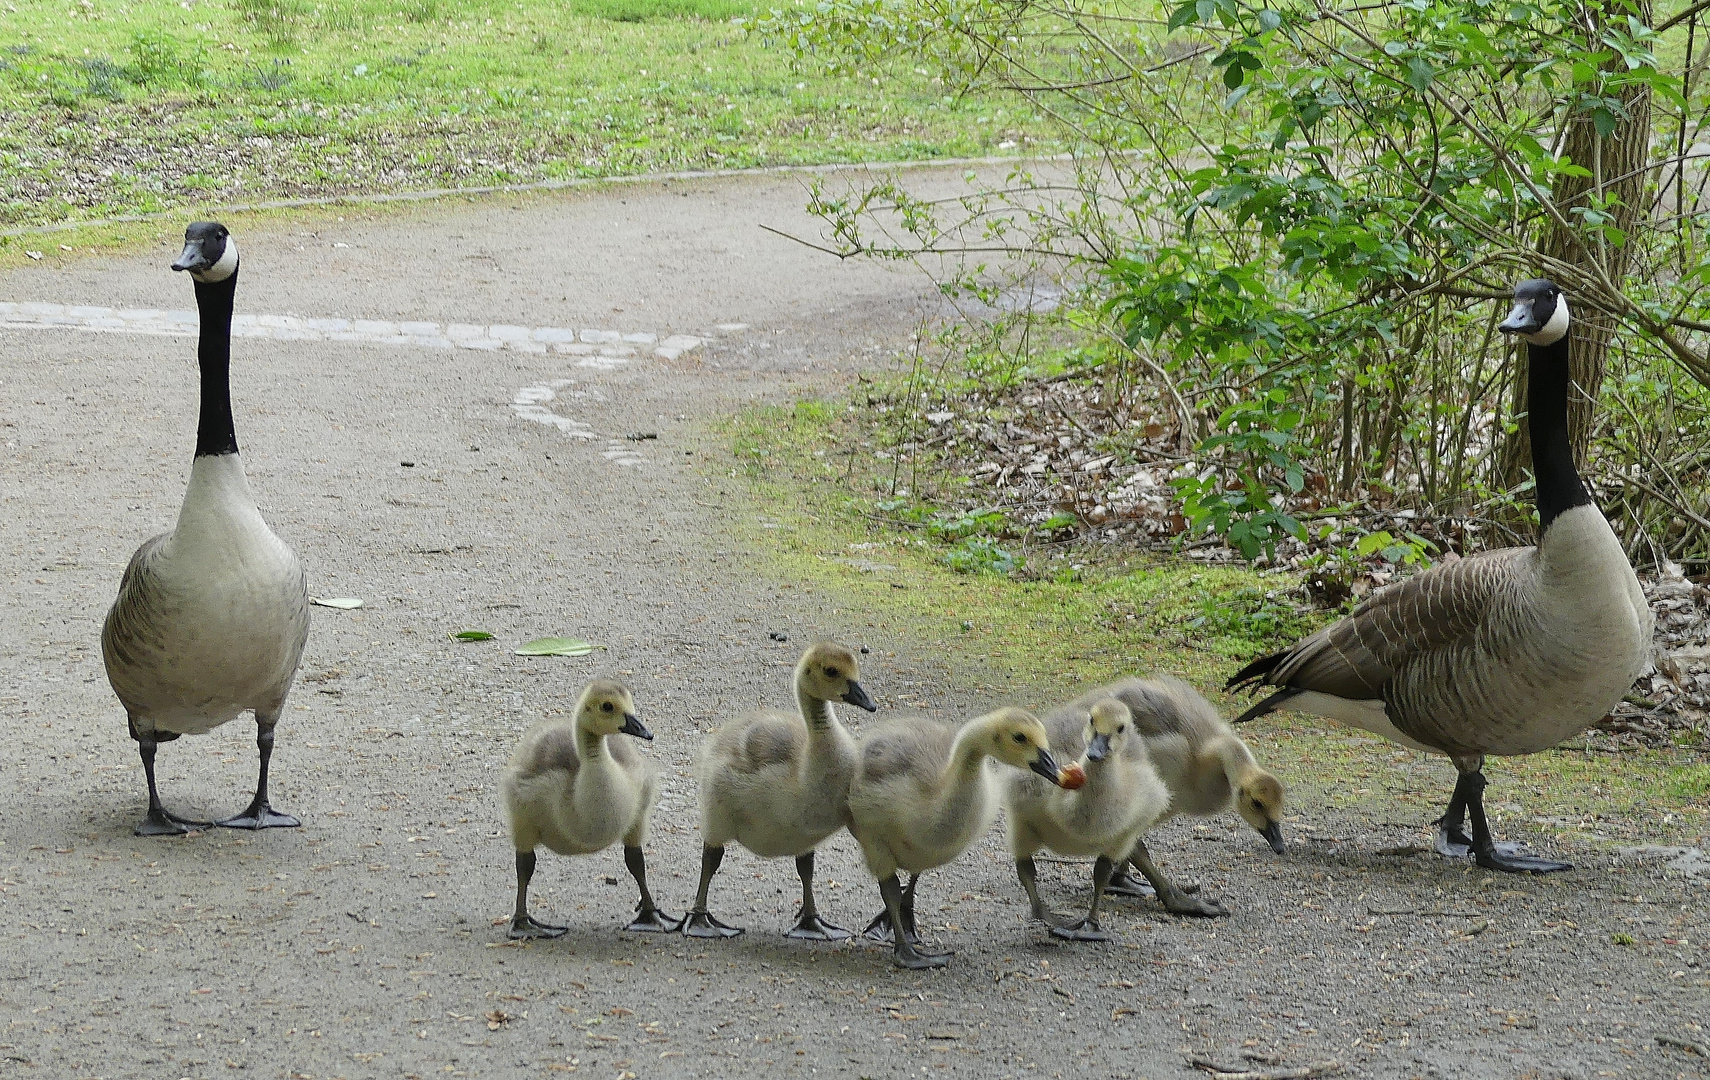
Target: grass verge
[[157, 104], [1042, 640]]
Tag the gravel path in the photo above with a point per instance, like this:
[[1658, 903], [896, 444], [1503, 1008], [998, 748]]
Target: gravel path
[[426, 480]]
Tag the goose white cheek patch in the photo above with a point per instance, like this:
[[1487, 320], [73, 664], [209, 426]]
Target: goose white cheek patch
[[1555, 329], [221, 270]]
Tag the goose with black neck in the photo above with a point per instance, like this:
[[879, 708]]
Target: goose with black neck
[[1500, 653], [212, 616]]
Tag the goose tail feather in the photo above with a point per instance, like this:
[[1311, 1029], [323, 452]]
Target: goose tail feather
[[1269, 704], [1255, 672]]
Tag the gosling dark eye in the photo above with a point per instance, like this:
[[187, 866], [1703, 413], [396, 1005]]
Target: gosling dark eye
[[1019, 737], [605, 706], [831, 673], [1121, 729]]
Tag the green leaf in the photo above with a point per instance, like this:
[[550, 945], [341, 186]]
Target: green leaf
[[472, 635], [1186, 15], [343, 603], [1268, 21], [1420, 74], [1234, 75], [557, 646]]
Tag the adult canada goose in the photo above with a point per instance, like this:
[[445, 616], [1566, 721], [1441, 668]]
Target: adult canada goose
[[921, 795], [1121, 799], [1203, 763], [777, 783], [575, 789], [211, 617], [1504, 652]]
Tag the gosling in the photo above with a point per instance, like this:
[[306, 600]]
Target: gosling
[[572, 788], [1206, 767], [778, 783], [1122, 798], [921, 796]]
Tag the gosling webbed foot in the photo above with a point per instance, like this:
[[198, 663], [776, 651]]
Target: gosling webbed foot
[[162, 822], [653, 921], [880, 930], [1079, 930], [260, 816], [1177, 902], [1507, 857], [701, 924], [1452, 842], [814, 928], [920, 961], [1125, 884], [530, 927]]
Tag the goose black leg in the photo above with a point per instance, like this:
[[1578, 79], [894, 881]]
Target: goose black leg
[[699, 922], [1176, 900], [260, 815], [159, 821], [1488, 853], [808, 923], [524, 925], [903, 951], [648, 919]]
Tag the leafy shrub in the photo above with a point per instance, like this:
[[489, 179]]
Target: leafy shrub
[[978, 555]]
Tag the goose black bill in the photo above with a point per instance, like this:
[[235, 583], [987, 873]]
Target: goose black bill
[[857, 696], [632, 725]]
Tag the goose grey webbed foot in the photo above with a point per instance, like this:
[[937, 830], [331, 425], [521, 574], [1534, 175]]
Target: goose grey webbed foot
[[529, 927], [700, 923], [650, 920], [162, 822], [260, 816], [1079, 930], [810, 927], [1125, 884]]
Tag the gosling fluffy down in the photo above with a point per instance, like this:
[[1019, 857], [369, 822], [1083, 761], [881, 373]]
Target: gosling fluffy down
[[777, 784], [572, 787], [1204, 764], [1122, 798], [921, 795]]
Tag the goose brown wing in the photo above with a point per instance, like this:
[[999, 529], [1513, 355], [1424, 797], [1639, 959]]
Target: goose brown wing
[[1429, 613]]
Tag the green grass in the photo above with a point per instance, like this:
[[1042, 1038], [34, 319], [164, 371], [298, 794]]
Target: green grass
[[109, 109], [1040, 639]]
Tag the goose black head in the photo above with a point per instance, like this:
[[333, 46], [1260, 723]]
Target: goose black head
[[1540, 314], [210, 253]]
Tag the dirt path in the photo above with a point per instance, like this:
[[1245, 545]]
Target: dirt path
[[364, 944]]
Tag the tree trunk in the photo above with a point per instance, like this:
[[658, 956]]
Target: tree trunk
[[1618, 158]]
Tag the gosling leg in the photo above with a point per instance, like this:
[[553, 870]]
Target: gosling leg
[[1086, 928], [699, 922], [883, 929], [524, 925], [159, 821], [903, 952], [260, 815], [1029, 875], [808, 923], [648, 919], [1176, 901]]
